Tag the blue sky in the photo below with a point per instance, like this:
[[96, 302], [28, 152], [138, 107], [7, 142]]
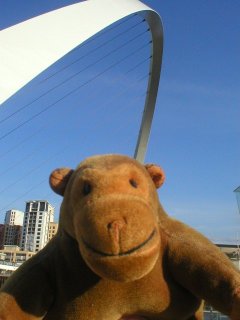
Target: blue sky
[[195, 132]]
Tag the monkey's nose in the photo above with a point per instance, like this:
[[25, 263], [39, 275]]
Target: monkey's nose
[[114, 230], [116, 224]]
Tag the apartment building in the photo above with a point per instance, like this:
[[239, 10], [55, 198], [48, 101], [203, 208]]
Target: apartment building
[[14, 217], [13, 227], [13, 254], [11, 257], [35, 234], [12, 235], [2, 228], [52, 230]]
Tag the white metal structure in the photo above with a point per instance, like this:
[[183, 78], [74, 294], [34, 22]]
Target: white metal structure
[[237, 192], [30, 47]]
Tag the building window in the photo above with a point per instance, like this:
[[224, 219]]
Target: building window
[[27, 207], [42, 206], [34, 206]]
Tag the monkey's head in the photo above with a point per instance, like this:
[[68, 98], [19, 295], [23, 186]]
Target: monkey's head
[[110, 207]]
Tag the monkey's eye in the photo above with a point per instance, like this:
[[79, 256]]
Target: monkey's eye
[[133, 183], [87, 188]]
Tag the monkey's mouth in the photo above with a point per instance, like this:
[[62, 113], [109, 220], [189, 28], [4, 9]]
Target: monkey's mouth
[[125, 253]]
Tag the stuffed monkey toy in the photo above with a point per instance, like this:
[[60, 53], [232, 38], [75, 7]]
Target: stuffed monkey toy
[[118, 256]]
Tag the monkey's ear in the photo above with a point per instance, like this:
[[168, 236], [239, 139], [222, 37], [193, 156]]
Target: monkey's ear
[[59, 178], [156, 173]]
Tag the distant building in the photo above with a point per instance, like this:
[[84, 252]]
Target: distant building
[[14, 217], [10, 259], [233, 253], [38, 215], [2, 228], [14, 255], [13, 227], [52, 230], [12, 235]]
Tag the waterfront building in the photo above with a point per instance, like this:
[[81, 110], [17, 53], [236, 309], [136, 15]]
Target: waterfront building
[[12, 235], [35, 233], [6, 269], [11, 257], [52, 230], [14, 255], [14, 217], [2, 228], [13, 227]]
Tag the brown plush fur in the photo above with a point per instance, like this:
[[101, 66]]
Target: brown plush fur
[[118, 255]]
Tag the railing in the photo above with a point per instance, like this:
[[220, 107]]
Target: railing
[[8, 263], [214, 315], [6, 273]]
